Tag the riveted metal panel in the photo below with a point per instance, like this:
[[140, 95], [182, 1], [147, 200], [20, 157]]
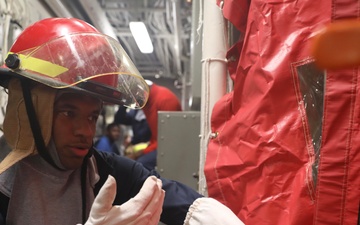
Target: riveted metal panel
[[179, 146]]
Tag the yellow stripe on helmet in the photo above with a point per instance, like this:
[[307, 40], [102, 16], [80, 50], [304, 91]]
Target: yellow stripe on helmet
[[40, 66]]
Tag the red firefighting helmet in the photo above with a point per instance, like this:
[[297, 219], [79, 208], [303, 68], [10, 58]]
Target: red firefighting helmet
[[70, 53]]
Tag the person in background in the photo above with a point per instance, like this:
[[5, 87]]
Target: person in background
[[107, 142], [135, 118]]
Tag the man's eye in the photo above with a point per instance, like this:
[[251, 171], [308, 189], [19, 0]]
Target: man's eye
[[68, 113], [93, 118]]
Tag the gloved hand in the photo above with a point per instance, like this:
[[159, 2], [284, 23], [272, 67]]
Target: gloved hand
[[144, 209], [208, 211]]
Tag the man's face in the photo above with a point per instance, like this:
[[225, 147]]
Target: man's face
[[114, 133], [74, 127]]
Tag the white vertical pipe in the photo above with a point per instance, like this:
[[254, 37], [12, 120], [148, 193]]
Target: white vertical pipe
[[214, 71], [177, 43], [194, 94]]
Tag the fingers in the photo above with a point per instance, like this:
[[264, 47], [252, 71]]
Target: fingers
[[157, 214], [144, 209], [103, 201], [151, 190], [151, 208], [157, 197]]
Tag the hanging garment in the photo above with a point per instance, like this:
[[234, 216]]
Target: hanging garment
[[286, 149]]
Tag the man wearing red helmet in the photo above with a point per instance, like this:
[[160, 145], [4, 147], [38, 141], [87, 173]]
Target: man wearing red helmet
[[50, 172]]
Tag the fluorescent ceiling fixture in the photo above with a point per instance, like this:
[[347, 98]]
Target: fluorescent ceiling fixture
[[141, 37]]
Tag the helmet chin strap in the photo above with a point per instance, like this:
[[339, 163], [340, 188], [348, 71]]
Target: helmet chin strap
[[34, 124], [83, 183]]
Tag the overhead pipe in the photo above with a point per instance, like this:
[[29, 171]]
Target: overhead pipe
[[98, 17], [59, 8], [214, 73]]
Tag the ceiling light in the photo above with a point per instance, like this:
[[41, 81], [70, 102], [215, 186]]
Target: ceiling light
[[141, 37]]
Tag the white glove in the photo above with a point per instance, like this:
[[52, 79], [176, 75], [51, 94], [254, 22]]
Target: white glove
[[144, 209], [208, 211]]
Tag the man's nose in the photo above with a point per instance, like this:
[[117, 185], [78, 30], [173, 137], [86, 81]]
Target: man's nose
[[83, 127]]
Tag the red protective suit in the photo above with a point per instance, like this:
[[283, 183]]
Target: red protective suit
[[160, 99], [288, 149]]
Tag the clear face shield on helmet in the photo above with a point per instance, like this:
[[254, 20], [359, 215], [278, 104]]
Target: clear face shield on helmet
[[91, 62]]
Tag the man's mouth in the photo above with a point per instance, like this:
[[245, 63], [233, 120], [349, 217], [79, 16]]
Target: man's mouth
[[79, 151]]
